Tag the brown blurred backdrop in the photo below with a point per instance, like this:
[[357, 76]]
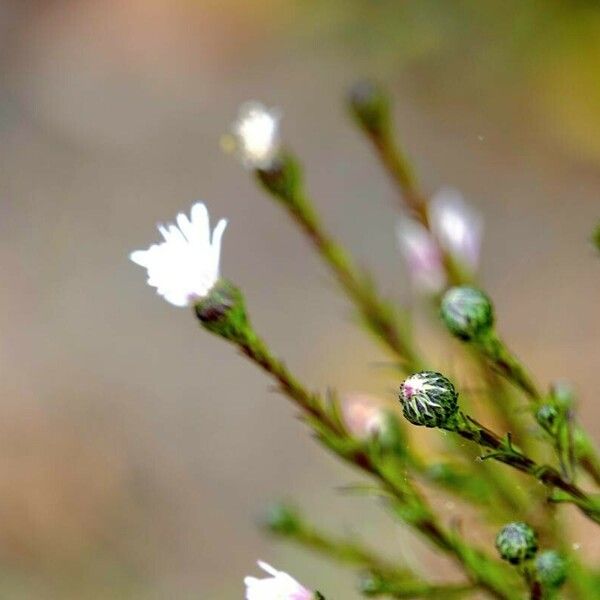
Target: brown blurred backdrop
[[136, 452]]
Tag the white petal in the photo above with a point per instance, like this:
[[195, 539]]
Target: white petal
[[139, 257], [267, 568], [184, 266]]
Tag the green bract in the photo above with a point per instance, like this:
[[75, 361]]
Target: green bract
[[223, 311], [282, 178], [467, 312], [283, 519], [516, 542], [429, 399], [369, 105], [551, 569]]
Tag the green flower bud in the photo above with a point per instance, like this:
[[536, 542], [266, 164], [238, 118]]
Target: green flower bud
[[551, 569], [283, 177], [223, 311], [370, 106], [547, 416], [516, 542], [372, 584], [429, 399], [283, 519], [467, 312]]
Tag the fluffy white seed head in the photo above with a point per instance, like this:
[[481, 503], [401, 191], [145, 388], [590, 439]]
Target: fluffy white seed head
[[256, 133], [185, 266], [278, 586]]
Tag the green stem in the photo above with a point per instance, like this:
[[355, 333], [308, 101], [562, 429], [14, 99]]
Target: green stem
[[413, 508], [504, 452], [498, 355], [284, 182], [345, 551], [504, 361], [397, 589]]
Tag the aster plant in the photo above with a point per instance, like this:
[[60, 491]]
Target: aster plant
[[525, 473]]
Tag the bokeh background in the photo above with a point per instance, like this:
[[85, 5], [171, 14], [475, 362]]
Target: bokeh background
[[136, 452]]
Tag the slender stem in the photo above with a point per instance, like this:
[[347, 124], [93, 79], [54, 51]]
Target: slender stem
[[345, 551], [283, 180], [422, 590], [504, 452], [410, 505], [504, 361], [401, 172]]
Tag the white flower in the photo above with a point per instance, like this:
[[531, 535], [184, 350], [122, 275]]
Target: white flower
[[422, 255], [185, 266], [457, 227], [279, 586], [256, 133]]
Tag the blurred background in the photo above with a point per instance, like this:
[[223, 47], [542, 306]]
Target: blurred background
[[136, 452]]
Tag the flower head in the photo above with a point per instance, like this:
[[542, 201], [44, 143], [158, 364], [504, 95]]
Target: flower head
[[279, 586], [185, 266], [457, 227], [256, 133], [422, 255]]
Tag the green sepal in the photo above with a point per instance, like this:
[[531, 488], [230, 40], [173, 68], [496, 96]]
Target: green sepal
[[223, 312], [369, 104], [283, 178]]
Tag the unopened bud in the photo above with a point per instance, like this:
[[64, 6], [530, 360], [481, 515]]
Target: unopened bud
[[467, 312], [516, 542], [372, 584], [547, 416], [370, 106], [429, 399], [283, 519], [551, 569]]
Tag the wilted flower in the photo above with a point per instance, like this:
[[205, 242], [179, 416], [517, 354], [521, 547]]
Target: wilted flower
[[185, 266], [256, 133], [279, 586], [456, 226], [422, 255]]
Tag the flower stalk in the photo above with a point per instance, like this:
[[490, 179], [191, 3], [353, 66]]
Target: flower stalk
[[429, 399], [232, 324], [468, 314], [283, 180]]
